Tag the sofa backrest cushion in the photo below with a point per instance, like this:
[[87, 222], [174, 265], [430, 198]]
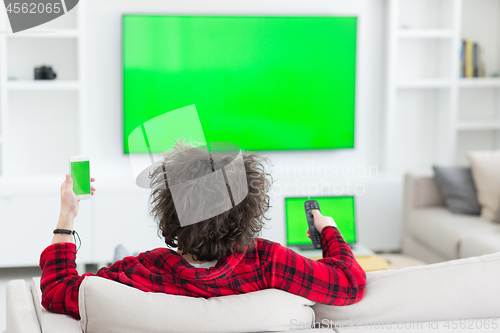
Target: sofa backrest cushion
[[486, 171], [455, 289], [109, 306]]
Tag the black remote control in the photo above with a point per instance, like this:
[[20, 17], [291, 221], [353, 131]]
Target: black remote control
[[310, 205]]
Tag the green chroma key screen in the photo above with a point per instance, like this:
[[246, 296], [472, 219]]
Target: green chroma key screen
[[340, 208], [263, 83], [80, 173]]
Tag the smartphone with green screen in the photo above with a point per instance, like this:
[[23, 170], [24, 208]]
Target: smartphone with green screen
[[80, 173]]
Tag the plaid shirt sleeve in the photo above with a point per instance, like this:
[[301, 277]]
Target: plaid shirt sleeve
[[337, 279], [60, 280]]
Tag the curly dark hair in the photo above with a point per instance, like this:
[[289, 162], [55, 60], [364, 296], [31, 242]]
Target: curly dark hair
[[223, 234]]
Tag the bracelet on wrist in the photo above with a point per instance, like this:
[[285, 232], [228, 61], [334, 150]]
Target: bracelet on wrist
[[69, 232]]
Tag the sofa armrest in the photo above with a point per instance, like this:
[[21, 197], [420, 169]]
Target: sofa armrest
[[21, 314], [51, 322], [421, 190]]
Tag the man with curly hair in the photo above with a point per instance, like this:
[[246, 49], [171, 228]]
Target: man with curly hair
[[218, 256]]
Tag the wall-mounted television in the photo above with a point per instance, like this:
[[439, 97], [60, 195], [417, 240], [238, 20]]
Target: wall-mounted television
[[264, 83]]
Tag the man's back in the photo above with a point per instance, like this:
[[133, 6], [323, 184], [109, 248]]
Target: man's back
[[336, 279]]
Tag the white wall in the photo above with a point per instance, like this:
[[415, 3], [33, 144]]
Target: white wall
[[379, 206]]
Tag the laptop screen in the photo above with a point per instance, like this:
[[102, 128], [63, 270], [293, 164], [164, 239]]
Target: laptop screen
[[340, 208]]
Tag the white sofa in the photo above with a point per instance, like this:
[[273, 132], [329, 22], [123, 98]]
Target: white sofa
[[451, 296], [434, 234]]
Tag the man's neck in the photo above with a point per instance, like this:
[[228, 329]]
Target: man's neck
[[189, 258]]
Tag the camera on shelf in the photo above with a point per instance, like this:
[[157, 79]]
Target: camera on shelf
[[44, 73]]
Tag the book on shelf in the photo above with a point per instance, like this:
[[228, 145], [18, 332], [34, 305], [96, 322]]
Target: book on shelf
[[482, 70], [471, 60], [462, 61], [475, 62]]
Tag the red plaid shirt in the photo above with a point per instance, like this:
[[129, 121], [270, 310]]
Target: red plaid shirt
[[337, 279]]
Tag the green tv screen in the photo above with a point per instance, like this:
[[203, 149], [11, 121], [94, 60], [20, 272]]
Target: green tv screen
[[340, 208], [263, 83]]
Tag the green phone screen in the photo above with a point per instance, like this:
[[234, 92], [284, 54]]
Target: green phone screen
[[80, 172]]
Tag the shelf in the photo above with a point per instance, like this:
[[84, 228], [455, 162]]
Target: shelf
[[445, 83], [478, 125], [424, 83], [56, 33], [50, 184], [43, 85], [25, 54], [425, 33], [479, 82]]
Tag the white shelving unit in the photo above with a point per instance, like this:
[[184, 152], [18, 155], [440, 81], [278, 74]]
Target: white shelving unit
[[42, 124], [52, 111], [432, 115]]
